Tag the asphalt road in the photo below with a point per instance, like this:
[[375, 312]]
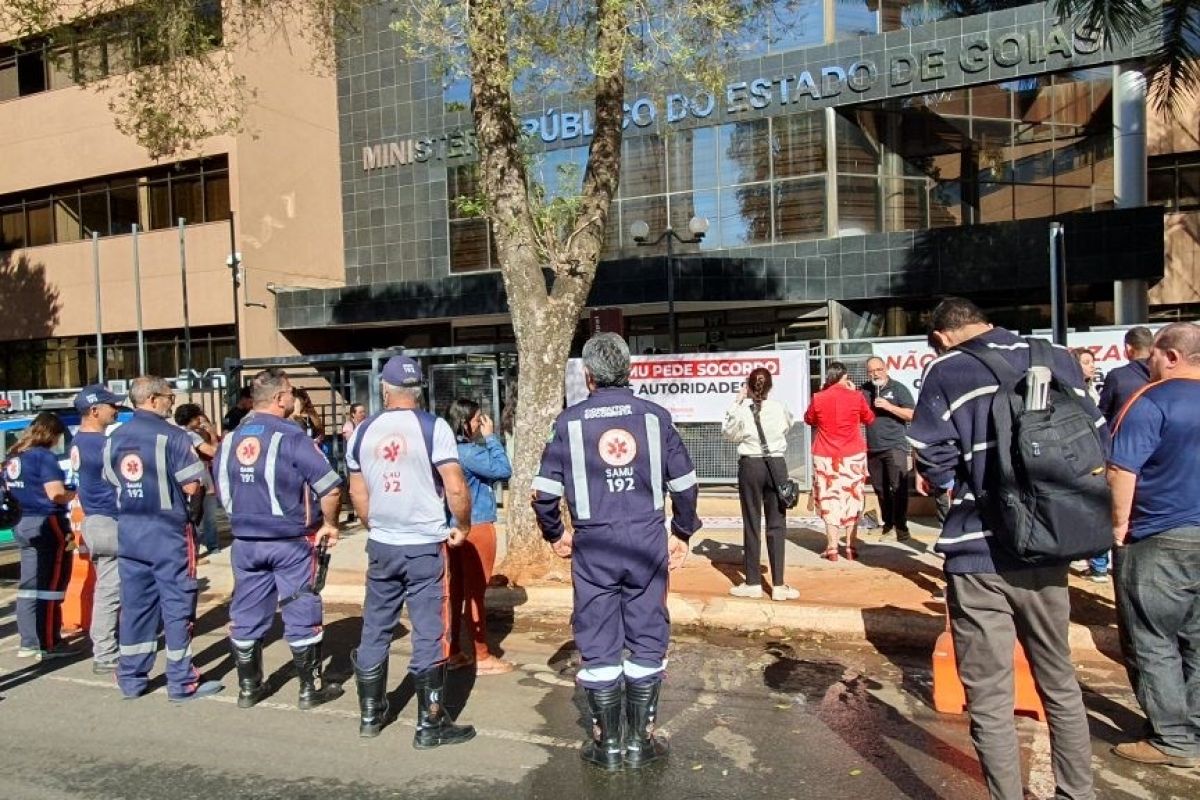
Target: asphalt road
[[748, 717]]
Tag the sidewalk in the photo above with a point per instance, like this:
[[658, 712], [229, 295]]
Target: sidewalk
[[892, 596]]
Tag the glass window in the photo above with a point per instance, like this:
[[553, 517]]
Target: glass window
[[1033, 201], [89, 60], [160, 204], [9, 88], [800, 209], [1189, 186], [916, 205], [856, 142], [187, 199], [995, 202], [31, 71], [60, 67], [745, 215], [991, 101], [795, 23], [216, 196], [684, 206], [123, 205], [855, 18], [745, 152], [41, 223], [651, 210], [456, 96], [12, 228], [66, 218], [93, 210], [560, 172], [469, 245], [692, 159], [798, 144], [643, 168], [462, 183], [858, 205]]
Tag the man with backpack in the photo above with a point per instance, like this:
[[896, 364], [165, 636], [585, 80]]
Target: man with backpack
[[1006, 565]]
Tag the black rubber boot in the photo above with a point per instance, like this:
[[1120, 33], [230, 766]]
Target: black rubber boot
[[308, 668], [642, 747], [250, 673], [372, 696], [605, 748], [434, 726]]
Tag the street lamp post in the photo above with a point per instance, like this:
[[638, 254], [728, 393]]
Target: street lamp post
[[697, 226]]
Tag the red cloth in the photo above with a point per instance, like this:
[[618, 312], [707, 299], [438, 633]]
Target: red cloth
[[837, 415]]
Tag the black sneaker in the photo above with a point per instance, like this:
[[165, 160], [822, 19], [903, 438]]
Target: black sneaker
[[902, 535]]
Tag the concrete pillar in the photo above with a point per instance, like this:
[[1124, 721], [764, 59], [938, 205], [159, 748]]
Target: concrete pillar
[[1130, 303]]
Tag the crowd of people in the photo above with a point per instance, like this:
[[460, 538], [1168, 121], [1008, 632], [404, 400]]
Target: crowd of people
[[422, 487]]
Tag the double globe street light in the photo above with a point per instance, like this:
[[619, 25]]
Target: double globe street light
[[640, 231]]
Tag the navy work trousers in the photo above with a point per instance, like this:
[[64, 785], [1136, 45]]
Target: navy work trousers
[[267, 572], [416, 573]]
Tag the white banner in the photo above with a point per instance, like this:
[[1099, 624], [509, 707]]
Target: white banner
[[699, 387], [906, 361]]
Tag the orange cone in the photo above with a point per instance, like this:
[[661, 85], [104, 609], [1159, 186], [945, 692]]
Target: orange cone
[[949, 697]]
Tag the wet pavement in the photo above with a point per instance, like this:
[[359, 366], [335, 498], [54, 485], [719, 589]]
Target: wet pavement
[[747, 715]]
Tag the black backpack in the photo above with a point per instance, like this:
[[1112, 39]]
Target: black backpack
[[1047, 500]]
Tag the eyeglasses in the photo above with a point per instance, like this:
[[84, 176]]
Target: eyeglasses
[[170, 397], [877, 370]]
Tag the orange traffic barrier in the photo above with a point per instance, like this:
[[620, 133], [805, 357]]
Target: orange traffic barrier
[[77, 604], [949, 697]]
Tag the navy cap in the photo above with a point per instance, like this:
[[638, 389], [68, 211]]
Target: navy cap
[[402, 371], [96, 395]]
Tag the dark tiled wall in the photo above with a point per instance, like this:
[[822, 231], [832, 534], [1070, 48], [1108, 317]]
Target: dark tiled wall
[[1101, 246]]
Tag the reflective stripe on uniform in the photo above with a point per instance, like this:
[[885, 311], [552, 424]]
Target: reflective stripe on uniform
[[683, 482], [109, 475], [140, 649], [39, 594], [547, 486], [242, 642], [583, 502], [633, 670], [331, 478], [654, 441], [308, 641], [225, 485], [269, 472], [160, 472], [179, 655], [599, 674], [191, 473]]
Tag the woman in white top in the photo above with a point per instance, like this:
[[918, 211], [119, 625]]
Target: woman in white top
[[751, 419], [1087, 364]]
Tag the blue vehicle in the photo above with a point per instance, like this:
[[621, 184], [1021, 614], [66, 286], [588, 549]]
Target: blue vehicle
[[11, 427]]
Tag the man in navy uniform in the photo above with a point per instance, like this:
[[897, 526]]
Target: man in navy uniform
[[157, 475], [402, 461], [282, 498], [97, 408], [612, 456]]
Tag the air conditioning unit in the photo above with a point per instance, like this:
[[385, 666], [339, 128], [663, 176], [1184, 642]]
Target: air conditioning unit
[[118, 386]]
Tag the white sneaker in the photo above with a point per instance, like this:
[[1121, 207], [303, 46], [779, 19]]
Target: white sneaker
[[784, 592], [746, 590], [30, 652]]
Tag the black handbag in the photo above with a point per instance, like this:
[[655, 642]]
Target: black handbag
[[786, 490]]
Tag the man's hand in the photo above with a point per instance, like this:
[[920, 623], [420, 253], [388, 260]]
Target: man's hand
[[458, 536], [883, 405], [329, 534], [677, 552], [923, 486], [1120, 534], [486, 426], [564, 546]]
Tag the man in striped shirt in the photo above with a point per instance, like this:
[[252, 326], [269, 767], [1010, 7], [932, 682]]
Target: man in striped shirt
[[993, 597]]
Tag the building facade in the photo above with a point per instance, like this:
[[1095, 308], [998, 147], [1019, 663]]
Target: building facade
[[68, 175], [866, 158]]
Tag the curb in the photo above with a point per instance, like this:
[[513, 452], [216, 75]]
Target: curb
[[886, 625]]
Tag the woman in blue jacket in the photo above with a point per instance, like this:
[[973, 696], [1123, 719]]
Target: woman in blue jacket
[[35, 478], [484, 461]]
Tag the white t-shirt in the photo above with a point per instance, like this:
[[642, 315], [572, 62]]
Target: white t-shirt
[[397, 451]]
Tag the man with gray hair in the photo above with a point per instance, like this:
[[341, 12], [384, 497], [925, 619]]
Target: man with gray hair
[[404, 472], [611, 457], [156, 474], [1154, 474]]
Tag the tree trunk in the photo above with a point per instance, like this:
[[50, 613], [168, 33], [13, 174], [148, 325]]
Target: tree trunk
[[544, 313]]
